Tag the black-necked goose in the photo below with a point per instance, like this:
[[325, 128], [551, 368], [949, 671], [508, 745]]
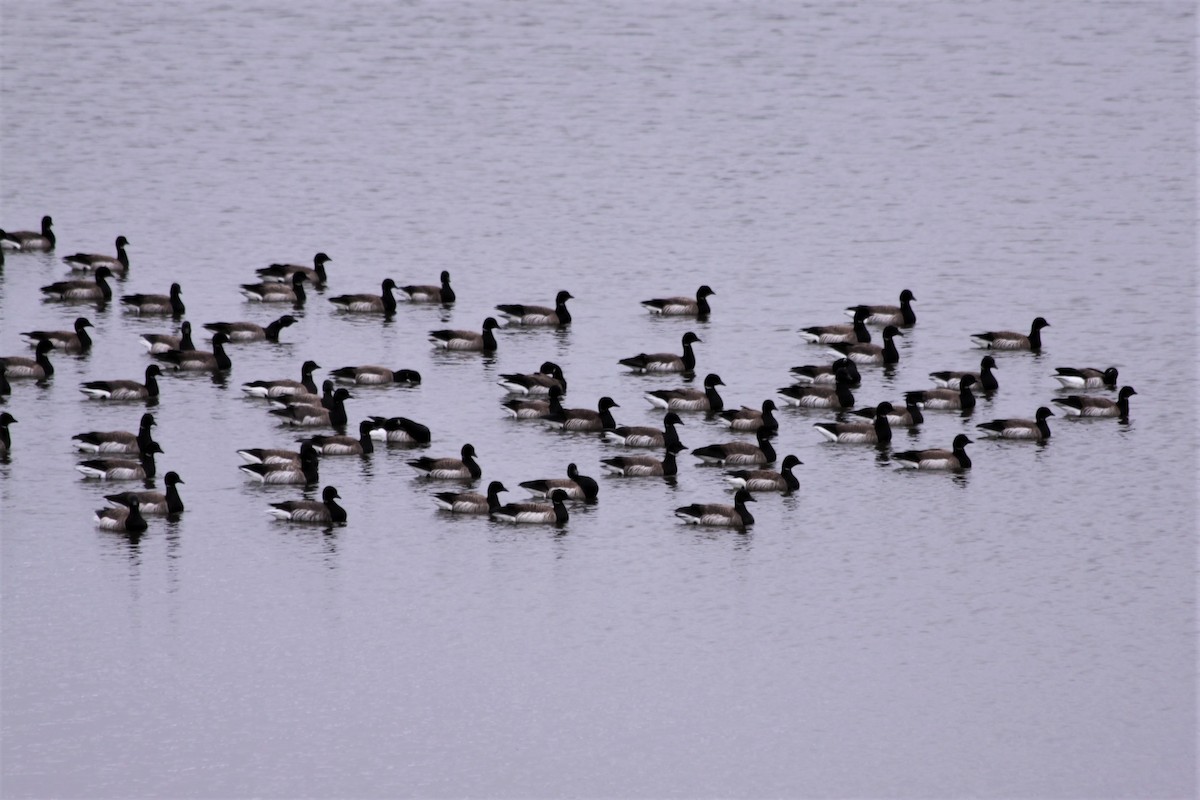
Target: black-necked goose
[[689, 399], [548, 376], [343, 445], [39, 367], [430, 294], [125, 389], [877, 431], [521, 314], [76, 341], [122, 469], [767, 480], [372, 375], [1086, 377], [720, 515], [471, 502], [284, 273], [641, 466], [251, 331], [955, 458], [577, 486], [820, 395], [6, 419], [152, 304], [116, 441], [157, 343], [985, 378], [124, 518], [584, 419], [271, 292], [96, 290], [751, 419], [465, 468], [682, 306], [832, 334], [960, 399], [908, 417], [1011, 340], [902, 314], [399, 430], [305, 471], [304, 415], [1082, 405], [872, 353], [200, 360], [738, 453], [119, 263], [285, 387], [323, 512], [535, 408], [827, 373], [467, 341], [30, 241], [553, 513], [382, 303], [665, 362], [153, 503], [269, 455], [646, 436], [1032, 429]]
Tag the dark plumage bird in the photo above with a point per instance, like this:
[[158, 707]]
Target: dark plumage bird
[[877, 431], [955, 458], [152, 503], [471, 502], [304, 471], [274, 292], [682, 306], [548, 376], [119, 263], [535, 408], [872, 353], [125, 389], [1086, 377], [639, 466], [30, 241], [269, 455], [371, 375], [739, 453], [520, 314], [767, 480], [454, 469], [343, 445], [577, 486], [121, 469], [157, 343], [908, 417], [1032, 429], [689, 399], [1082, 405], [399, 430], [39, 367], [646, 436], [76, 341], [125, 518], [856, 332], [250, 331], [751, 419], [1010, 340], [6, 419], [719, 514], [984, 379], [467, 340], [283, 273], [200, 360], [553, 513], [325, 512], [117, 441], [315, 415], [665, 362], [151, 304], [902, 314], [285, 387], [820, 395], [382, 303], [827, 373], [431, 294], [96, 290], [584, 419], [960, 399]]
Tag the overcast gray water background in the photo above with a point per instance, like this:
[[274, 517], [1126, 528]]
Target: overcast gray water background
[[1023, 630]]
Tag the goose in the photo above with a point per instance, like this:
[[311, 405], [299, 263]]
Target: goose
[[324, 512], [250, 331], [577, 486], [688, 399], [5, 386], [639, 466], [371, 375], [96, 290], [820, 395], [401, 430], [467, 340], [877, 431], [465, 468], [306, 415], [955, 458], [767, 480], [158, 343], [682, 306], [285, 387], [119, 263], [1010, 340], [342, 445], [430, 294], [304, 471], [719, 514], [872, 353], [949, 379], [831, 334], [270, 455], [125, 518], [751, 419], [471, 502], [960, 399], [1086, 377], [144, 304], [827, 373], [552, 513], [739, 453], [535, 408], [908, 417], [520, 314], [125, 389], [665, 362], [1035, 429], [584, 419], [121, 469], [39, 367], [548, 376], [284, 273], [76, 341], [200, 360], [1082, 405], [274, 292], [150, 502], [6, 419], [645, 436], [116, 441], [902, 314], [30, 241], [382, 303]]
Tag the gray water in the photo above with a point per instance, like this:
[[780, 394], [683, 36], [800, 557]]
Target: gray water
[[1025, 629]]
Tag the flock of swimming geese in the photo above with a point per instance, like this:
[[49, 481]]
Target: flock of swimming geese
[[126, 455]]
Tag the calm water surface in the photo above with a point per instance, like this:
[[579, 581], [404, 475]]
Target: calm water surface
[[1023, 630]]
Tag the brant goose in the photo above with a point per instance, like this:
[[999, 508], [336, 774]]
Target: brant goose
[[949, 379], [738, 453], [273, 292], [751, 419], [371, 375], [1010, 340], [324, 512], [682, 306], [150, 502], [343, 445], [910, 417], [314, 415], [467, 340], [645, 436], [877, 431], [269, 455], [938, 459], [820, 395], [665, 362], [250, 331], [1082, 405], [688, 399], [553, 513], [827, 373], [960, 399], [157, 343], [465, 468], [644, 466], [382, 303], [285, 273], [302, 471], [399, 430], [96, 290], [520, 314], [1035, 429], [584, 419], [888, 315], [116, 441], [766, 480], [156, 303], [39, 367], [719, 514], [200, 360], [872, 353], [576, 486], [431, 294], [1086, 377], [285, 387], [119, 263], [535, 408], [30, 240], [471, 502], [121, 469], [125, 518], [832, 334], [76, 341], [125, 389], [6, 419], [548, 376]]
